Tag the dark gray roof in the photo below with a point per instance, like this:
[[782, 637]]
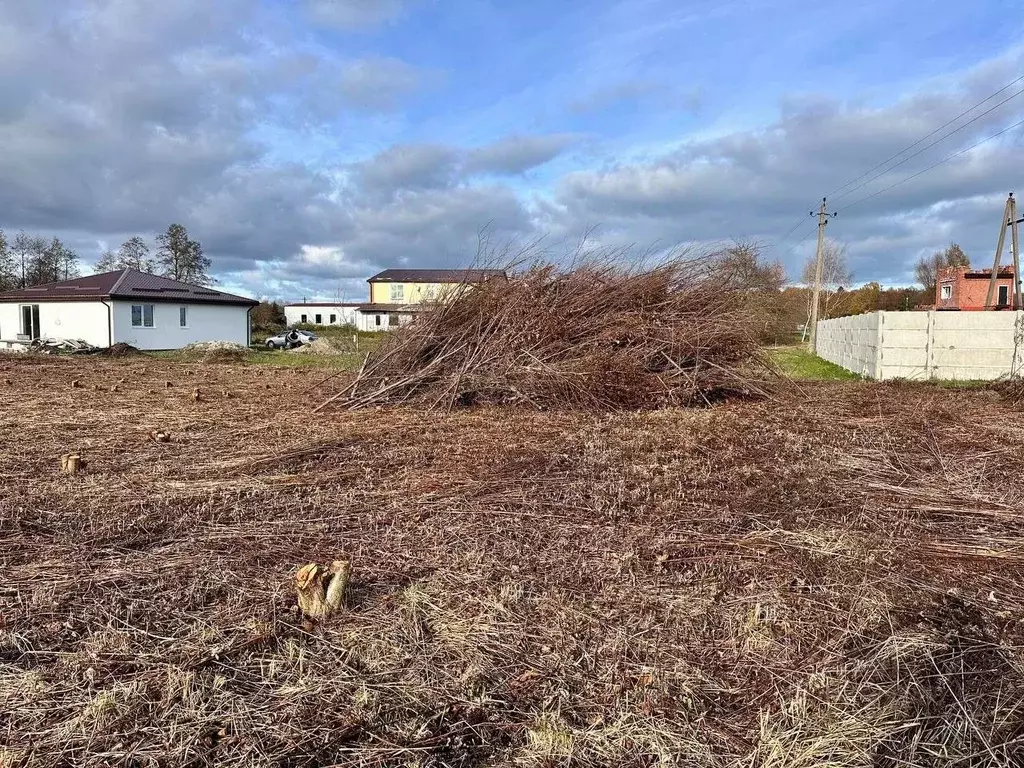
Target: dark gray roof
[[124, 284], [323, 304], [436, 275], [394, 307]]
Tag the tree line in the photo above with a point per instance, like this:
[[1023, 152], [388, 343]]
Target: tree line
[[784, 309], [28, 260]]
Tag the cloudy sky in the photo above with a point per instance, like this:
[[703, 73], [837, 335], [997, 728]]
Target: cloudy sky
[[309, 143]]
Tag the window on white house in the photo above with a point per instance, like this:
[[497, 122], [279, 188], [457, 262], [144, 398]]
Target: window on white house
[[319, 319], [947, 291], [1004, 295], [334, 319], [30, 320], [142, 315], [397, 293], [183, 317], [376, 320], [302, 318]]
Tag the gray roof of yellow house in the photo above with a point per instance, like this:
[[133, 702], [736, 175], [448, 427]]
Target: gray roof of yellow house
[[436, 275]]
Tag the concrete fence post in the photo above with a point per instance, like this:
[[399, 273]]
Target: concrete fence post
[[876, 372], [929, 346], [1017, 364]]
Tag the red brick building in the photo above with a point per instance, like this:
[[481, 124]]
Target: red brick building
[[966, 289]]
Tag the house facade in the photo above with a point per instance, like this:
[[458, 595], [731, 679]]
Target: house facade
[[321, 313], [124, 306], [396, 295], [966, 289]]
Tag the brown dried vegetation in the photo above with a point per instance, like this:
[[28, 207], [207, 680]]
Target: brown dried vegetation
[[602, 335], [833, 579]]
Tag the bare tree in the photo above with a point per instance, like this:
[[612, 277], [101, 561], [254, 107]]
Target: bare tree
[[836, 278], [928, 267], [742, 263], [27, 252], [8, 269], [181, 258], [133, 254], [107, 262]]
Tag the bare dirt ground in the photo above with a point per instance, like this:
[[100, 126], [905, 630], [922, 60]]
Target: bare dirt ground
[[834, 577]]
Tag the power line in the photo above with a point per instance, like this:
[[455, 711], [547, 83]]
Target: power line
[[936, 165], [928, 136], [778, 241], [929, 146], [802, 220]]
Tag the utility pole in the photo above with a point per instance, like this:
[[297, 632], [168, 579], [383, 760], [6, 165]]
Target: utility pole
[[1009, 220], [1015, 243], [823, 216]]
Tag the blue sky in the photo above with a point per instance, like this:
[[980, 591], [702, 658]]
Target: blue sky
[[309, 143]]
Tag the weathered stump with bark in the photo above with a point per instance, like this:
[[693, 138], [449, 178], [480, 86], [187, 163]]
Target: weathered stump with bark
[[72, 464], [321, 590]]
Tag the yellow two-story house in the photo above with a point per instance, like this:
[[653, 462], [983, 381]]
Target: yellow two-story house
[[397, 294]]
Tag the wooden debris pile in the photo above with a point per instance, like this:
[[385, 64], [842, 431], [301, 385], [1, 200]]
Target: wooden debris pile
[[601, 336]]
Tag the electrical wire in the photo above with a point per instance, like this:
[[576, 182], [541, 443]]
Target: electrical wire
[[928, 136], [935, 165], [928, 146]]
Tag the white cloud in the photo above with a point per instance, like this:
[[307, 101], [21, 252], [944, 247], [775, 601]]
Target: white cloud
[[355, 14]]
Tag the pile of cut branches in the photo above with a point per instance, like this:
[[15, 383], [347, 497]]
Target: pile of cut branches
[[601, 336]]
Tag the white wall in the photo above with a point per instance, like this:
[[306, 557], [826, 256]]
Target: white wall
[[206, 322], [851, 342], [343, 315], [366, 321], [926, 345], [85, 320]]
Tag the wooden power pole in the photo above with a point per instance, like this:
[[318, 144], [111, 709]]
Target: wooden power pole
[[823, 216], [1009, 220]]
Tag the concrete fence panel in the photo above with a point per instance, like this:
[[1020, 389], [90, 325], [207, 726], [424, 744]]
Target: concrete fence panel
[[926, 345], [853, 344]]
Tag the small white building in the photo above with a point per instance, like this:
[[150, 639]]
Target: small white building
[[321, 313], [124, 306], [396, 296]]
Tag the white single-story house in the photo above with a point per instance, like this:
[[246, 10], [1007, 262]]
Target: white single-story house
[[321, 313], [364, 317], [124, 306]]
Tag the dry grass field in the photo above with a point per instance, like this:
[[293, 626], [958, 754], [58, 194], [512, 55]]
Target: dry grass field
[[832, 577]]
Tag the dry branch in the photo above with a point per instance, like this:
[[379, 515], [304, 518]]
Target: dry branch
[[600, 336]]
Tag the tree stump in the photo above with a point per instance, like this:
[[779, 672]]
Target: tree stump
[[76, 384], [160, 436], [72, 464], [196, 397], [321, 590]]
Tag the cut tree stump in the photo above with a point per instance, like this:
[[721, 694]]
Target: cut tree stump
[[72, 464], [196, 397], [160, 436], [321, 590]]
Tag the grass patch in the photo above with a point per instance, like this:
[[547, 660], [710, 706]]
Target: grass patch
[[279, 358], [798, 363]]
